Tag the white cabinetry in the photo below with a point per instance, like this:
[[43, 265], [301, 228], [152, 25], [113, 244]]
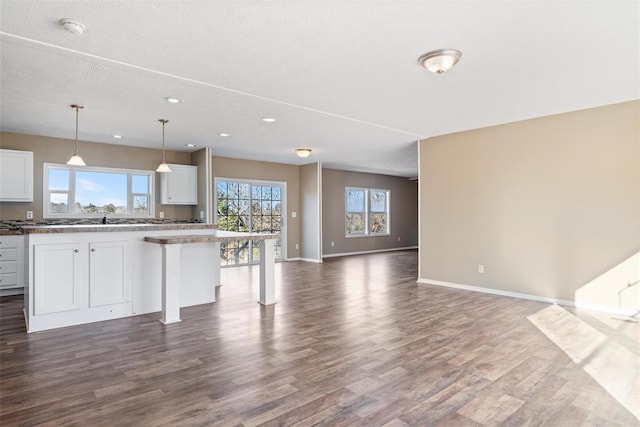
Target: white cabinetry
[[11, 265], [180, 186], [58, 277], [108, 273], [79, 280], [16, 176]]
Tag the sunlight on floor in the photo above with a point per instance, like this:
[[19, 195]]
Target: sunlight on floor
[[613, 366]]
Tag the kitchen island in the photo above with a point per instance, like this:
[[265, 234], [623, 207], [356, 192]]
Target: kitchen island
[[78, 274], [172, 261]]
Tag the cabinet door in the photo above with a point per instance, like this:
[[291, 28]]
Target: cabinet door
[[57, 278], [16, 176], [180, 186], [109, 273]]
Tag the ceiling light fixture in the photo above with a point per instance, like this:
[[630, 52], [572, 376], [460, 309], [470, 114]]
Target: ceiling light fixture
[[268, 119], [190, 145], [171, 100], [74, 27], [76, 160], [441, 60], [303, 152], [224, 134], [164, 167], [116, 136]]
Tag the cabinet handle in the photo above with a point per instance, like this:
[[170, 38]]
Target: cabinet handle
[[93, 249], [76, 250]]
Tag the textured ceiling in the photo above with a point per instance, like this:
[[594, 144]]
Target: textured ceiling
[[340, 77]]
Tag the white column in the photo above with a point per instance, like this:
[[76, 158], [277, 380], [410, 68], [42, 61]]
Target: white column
[[216, 264], [267, 272], [170, 284]]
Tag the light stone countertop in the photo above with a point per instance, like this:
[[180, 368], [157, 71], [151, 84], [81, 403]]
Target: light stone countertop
[[92, 228]]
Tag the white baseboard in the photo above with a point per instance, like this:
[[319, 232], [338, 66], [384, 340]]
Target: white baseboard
[[317, 261], [369, 252], [567, 303]]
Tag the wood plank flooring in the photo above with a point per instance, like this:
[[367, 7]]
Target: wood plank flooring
[[351, 342]]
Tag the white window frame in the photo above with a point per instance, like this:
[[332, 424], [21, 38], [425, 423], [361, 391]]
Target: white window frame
[[46, 194], [367, 212], [258, 182]]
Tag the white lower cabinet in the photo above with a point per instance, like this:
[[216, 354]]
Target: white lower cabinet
[[79, 282], [11, 265], [58, 278]]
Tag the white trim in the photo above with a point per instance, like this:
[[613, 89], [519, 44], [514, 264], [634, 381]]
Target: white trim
[[369, 252], [319, 198], [500, 292], [419, 210], [316, 261]]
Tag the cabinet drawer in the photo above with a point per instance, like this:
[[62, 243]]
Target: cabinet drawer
[[9, 241], [10, 279], [8, 267], [8, 254]]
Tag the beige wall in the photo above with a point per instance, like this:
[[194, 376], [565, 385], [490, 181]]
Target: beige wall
[[199, 159], [547, 205], [310, 202], [56, 150], [403, 212], [225, 167]]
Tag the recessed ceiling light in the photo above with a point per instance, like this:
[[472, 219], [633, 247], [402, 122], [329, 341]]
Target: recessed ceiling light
[[190, 145], [224, 134], [116, 136], [172, 100], [268, 119], [74, 27]]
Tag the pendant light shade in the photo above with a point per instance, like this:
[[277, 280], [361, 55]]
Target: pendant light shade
[[76, 160], [164, 167]]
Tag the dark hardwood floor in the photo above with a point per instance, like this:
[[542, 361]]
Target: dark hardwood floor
[[354, 342]]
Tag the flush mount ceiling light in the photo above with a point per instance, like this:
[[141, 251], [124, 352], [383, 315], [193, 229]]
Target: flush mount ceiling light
[[224, 134], [303, 152], [116, 136], [76, 160], [268, 119], [164, 167], [441, 60], [171, 100], [74, 27], [189, 145]]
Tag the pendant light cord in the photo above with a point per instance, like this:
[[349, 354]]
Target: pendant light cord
[[76, 153]]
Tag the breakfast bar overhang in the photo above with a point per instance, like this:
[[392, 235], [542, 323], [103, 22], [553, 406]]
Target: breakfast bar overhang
[[171, 247]]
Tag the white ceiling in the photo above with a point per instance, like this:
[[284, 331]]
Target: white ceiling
[[340, 77]]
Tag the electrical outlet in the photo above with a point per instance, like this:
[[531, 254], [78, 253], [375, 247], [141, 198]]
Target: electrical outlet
[[398, 238], [201, 214], [161, 215], [333, 243], [480, 268], [294, 214], [297, 246], [29, 214]]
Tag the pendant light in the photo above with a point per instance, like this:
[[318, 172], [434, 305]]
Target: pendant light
[[164, 167], [76, 160]]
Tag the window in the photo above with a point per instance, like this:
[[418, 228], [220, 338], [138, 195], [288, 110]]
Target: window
[[249, 206], [366, 212], [91, 191]]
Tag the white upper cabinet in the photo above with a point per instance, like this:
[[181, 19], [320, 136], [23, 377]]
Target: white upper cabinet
[[16, 176], [180, 186]]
